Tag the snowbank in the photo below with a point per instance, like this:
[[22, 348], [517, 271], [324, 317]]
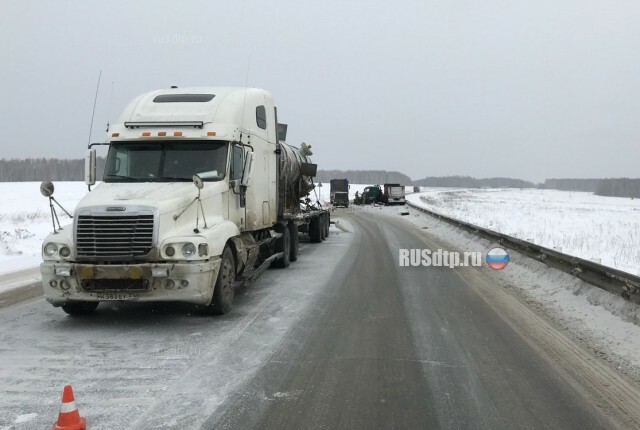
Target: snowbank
[[25, 220], [603, 229]]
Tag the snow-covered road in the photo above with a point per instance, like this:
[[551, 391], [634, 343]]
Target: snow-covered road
[[152, 366]]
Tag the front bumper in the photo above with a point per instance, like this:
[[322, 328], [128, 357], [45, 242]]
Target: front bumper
[[148, 282]]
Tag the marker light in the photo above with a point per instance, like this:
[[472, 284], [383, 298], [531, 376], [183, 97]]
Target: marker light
[[177, 133], [162, 133], [88, 273], [146, 134], [135, 272]]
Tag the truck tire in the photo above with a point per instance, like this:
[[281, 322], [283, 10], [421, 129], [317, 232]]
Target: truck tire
[[293, 232], [79, 308], [223, 291], [283, 245], [322, 237], [327, 223], [315, 226]]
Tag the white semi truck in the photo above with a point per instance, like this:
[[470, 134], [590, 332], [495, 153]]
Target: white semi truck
[[200, 192]]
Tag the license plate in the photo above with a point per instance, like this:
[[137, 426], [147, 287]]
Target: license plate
[[118, 296]]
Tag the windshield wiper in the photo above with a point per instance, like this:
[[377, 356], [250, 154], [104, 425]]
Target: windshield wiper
[[122, 177], [175, 179]]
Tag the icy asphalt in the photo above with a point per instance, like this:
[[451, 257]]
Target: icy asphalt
[[343, 338]]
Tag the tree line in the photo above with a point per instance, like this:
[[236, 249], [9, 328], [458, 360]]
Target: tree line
[[571, 184], [364, 176], [54, 169], [45, 169], [611, 187], [619, 187], [470, 182]]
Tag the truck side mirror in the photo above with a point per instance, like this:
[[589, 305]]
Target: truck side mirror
[[90, 167], [248, 169]]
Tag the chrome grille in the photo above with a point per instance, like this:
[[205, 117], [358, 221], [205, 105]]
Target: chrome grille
[[114, 236]]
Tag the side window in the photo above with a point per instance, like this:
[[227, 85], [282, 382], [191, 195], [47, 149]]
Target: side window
[[237, 162], [119, 164], [261, 117]]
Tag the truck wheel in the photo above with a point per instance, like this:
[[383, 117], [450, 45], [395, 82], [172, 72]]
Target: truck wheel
[[293, 232], [327, 223], [321, 227], [314, 230], [222, 300], [80, 308], [283, 245]]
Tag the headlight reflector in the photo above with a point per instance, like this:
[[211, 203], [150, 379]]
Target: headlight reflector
[[50, 249], [188, 250]]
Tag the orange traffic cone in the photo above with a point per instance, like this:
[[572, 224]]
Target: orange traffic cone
[[69, 418]]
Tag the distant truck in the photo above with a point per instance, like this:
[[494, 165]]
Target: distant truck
[[370, 195], [393, 194], [147, 234], [339, 194]]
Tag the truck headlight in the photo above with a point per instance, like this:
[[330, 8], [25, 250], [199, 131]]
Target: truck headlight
[[170, 251], [65, 252], [188, 250], [50, 249]]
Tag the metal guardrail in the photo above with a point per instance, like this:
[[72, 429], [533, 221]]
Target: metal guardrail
[[613, 280]]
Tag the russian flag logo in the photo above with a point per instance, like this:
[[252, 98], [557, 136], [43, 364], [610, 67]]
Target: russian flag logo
[[497, 258]]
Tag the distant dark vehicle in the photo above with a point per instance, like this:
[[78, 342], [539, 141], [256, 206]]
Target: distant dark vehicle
[[371, 194], [341, 199], [339, 194], [393, 194], [416, 189]]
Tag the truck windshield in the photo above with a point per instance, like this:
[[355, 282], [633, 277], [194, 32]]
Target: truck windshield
[[166, 161]]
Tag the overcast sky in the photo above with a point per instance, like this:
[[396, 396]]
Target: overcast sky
[[530, 89]]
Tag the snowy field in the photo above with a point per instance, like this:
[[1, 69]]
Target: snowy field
[[25, 220], [602, 229]]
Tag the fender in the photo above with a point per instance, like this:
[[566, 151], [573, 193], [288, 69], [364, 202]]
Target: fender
[[218, 235]]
